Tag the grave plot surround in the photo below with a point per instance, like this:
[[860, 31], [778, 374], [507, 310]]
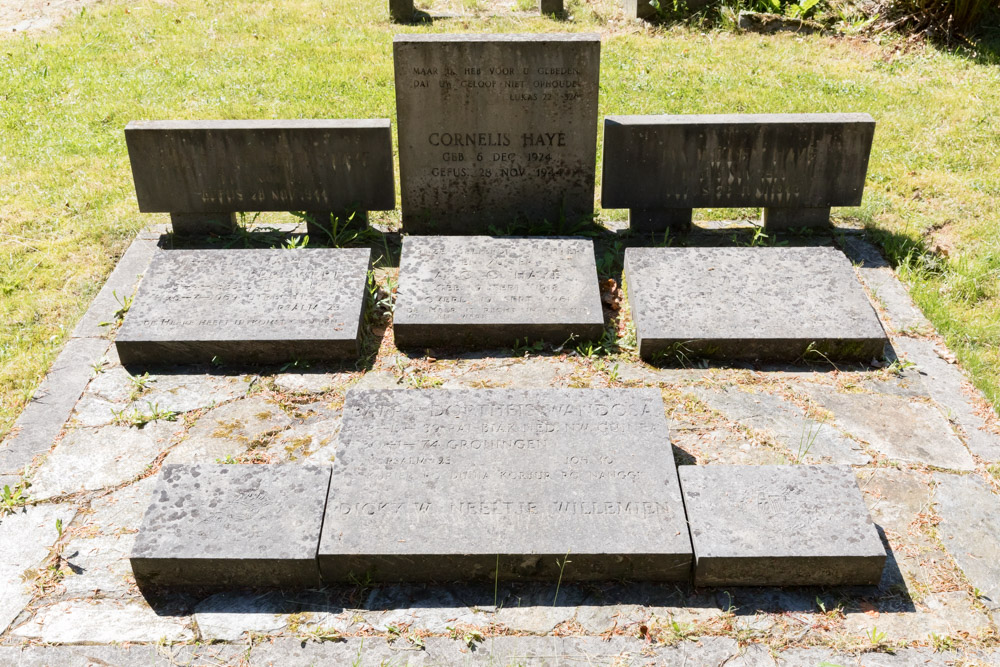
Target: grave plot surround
[[203, 172], [775, 304], [462, 291], [793, 525], [495, 128], [247, 306], [232, 526], [796, 166], [438, 485]]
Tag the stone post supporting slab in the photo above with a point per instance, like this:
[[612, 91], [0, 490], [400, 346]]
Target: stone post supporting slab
[[778, 219], [660, 219], [202, 224], [401, 11], [638, 9]]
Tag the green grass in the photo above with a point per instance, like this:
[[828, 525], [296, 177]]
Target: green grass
[[67, 207]]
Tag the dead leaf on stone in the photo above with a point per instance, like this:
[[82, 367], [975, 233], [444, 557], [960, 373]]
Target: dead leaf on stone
[[869, 608], [946, 354], [610, 294]]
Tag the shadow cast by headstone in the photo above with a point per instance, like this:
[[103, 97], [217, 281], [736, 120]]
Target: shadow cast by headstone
[[363, 363], [385, 246], [736, 233], [890, 595], [817, 365], [451, 601]]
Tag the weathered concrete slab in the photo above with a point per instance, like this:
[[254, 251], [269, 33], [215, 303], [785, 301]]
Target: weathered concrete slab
[[90, 459], [780, 526], [569, 651], [103, 622], [940, 614], [102, 540], [247, 306], [222, 166], [794, 165], [495, 128], [129, 655], [119, 286], [25, 538], [229, 430], [806, 440], [230, 615], [446, 485], [43, 418], [750, 303], [970, 530], [897, 309], [950, 388], [232, 525], [186, 390], [486, 291], [900, 428]]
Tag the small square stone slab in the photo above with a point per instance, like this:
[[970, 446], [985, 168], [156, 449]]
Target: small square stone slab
[[480, 290], [792, 525], [223, 525], [772, 304], [247, 306], [450, 485]]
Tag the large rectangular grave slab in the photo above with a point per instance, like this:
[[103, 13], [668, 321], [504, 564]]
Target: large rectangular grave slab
[[232, 526], [495, 128], [480, 290], [796, 166], [201, 172], [247, 306], [450, 485], [794, 525], [776, 304]]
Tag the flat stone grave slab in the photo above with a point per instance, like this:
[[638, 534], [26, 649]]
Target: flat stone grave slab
[[223, 525], [495, 128], [481, 290], [444, 485], [247, 306], [775, 304], [780, 525]]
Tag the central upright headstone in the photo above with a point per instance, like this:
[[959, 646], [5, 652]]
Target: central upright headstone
[[570, 484], [495, 128]]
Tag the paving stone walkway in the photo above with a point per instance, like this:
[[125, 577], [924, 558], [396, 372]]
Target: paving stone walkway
[[921, 441]]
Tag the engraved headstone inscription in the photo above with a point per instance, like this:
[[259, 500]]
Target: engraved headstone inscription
[[772, 304], [448, 484], [203, 172], [796, 166], [232, 526], [461, 291], [774, 525], [495, 128], [247, 306]]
